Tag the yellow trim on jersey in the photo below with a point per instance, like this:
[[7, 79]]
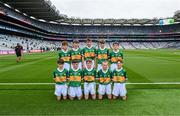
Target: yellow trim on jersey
[[89, 78], [77, 57], [67, 58], [75, 78], [102, 56], [119, 79], [60, 79], [104, 80], [115, 59], [89, 54]]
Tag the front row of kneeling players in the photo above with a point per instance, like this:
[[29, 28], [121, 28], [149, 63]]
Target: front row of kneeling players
[[68, 83]]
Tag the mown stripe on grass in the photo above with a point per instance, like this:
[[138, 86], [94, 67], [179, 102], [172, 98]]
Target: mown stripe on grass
[[24, 64]]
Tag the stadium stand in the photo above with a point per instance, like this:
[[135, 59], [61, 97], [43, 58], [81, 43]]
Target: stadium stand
[[34, 34]]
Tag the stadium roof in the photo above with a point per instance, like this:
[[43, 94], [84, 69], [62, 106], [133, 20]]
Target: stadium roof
[[177, 16], [74, 21], [44, 10], [40, 9]]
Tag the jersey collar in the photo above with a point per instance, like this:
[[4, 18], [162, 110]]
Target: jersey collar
[[105, 71], [65, 51], [74, 69], [90, 68], [116, 51], [119, 69], [60, 69], [89, 47], [101, 48], [75, 49]]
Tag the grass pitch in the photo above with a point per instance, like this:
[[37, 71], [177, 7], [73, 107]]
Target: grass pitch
[[143, 66]]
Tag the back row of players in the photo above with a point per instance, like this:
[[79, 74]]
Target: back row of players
[[79, 64]]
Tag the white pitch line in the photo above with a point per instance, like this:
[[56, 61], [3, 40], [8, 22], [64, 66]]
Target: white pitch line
[[156, 83]]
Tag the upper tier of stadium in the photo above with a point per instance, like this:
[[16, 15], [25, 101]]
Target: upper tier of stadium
[[18, 18], [44, 10]]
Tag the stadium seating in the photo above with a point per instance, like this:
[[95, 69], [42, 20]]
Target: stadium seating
[[8, 42]]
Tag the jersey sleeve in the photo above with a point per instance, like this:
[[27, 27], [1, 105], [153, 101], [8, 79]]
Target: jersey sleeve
[[111, 74], [59, 54], [67, 73], [54, 74], [82, 73], [95, 73], [125, 74], [121, 54], [95, 51], [82, 51], [109, 54]]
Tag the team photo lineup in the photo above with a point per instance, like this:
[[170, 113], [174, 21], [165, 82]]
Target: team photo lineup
[[90, 57], [79, 64]]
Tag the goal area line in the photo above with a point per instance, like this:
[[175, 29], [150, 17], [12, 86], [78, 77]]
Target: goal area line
[[155, 83]]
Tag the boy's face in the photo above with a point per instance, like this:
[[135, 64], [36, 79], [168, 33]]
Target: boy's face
[[64, 47], [102, 45], [75, 65], [75, 45], [119, 65], [115, 46], [105, 66], [60, 66], [89, 43], [89, 65]]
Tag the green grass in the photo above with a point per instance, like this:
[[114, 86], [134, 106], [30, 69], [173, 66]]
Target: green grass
[[143, 66]]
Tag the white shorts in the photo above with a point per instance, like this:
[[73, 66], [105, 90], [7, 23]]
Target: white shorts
[[67, 66], [104, 89], [86, 65], [113, 66], [89, 88], [60, 90], [99, 67], [75, 91], [119, 89]]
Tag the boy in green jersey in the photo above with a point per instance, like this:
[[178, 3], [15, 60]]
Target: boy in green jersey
[[102, 54], [119, 79], [75, 76], [104, 76], [76, 53], [60, 75], [89, 75], [89, 52], [65, 55], [115, 55]]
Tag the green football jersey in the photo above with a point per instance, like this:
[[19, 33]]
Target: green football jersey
[[60, 76], [104, 77], [75, 77], [119, 76], [89, 75], [65, 55], [114, 56], [89, 53], [102, 55], [76, 54]]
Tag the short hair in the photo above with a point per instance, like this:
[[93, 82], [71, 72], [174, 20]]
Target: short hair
[[105, 61], [74, 61], [60, 61], [64, 43], [116, 43], [89, 60], [75, 41], [102, 41], [88, 40], [120, 60]]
